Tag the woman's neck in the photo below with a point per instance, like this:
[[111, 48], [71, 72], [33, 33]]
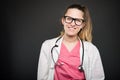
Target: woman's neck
[[70, 39]]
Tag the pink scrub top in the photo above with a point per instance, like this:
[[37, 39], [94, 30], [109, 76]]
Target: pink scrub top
[[67, 65]]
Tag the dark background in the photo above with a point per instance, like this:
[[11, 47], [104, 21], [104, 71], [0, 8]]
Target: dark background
[[26, 24]]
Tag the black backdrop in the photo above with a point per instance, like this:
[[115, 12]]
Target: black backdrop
[[27, 23]]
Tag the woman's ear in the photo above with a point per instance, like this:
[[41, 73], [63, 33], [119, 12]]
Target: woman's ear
[[62, 21], [83, 25]]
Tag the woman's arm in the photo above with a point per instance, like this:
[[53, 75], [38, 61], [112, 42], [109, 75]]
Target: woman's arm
[[97, 72], [42, 73]]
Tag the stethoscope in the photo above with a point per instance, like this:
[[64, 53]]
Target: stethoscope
[[81, 65]]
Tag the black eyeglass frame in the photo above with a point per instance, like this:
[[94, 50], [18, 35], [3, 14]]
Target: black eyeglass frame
[[74, 19]]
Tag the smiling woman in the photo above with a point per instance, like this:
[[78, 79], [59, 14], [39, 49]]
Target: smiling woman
[[83, 18], [73, 28], [71, 56]]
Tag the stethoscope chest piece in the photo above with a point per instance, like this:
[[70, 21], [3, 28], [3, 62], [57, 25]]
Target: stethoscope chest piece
[[80, 68]]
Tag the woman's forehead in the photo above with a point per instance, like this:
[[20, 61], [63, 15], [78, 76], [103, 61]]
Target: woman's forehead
[[73, 12]]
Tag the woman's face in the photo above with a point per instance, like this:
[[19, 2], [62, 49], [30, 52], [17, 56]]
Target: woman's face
[[73, 22]]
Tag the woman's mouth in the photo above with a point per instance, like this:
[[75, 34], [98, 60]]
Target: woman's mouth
[[71, 28]]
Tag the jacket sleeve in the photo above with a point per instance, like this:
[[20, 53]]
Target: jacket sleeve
[[42, 73], [97, 72]]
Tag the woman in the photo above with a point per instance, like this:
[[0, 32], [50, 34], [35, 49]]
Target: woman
[[71, 56]]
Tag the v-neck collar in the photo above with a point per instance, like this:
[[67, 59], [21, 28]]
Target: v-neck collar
[[73, 49]]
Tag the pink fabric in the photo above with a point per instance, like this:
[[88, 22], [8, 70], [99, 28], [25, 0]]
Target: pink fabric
[[66, 67]]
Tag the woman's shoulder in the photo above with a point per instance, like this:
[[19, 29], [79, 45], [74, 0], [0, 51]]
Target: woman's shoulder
[[90, 46], [50, 41], [91, 51]]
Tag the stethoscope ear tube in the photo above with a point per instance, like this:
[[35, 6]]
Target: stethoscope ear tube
[[52, 53], [53, 48], [82, 55], [81, 66]]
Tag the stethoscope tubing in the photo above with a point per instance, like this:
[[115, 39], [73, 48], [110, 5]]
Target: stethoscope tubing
[[57, 46], [81, 65]]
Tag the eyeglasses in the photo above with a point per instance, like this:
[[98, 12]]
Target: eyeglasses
[[77, 21]]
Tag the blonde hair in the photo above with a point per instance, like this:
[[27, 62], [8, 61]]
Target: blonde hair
[[86, 32]]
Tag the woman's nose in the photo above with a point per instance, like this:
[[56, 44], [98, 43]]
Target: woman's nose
[[73, 23]]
